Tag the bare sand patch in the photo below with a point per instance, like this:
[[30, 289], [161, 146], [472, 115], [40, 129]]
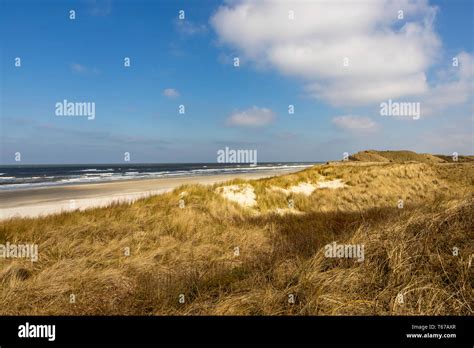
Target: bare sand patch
[[332, 184], [303, 188], [244, 195], [307, 188]]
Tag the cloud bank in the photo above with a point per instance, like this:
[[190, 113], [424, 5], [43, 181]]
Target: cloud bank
[[345, 52]]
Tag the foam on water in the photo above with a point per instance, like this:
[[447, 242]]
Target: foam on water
[[22, 177]]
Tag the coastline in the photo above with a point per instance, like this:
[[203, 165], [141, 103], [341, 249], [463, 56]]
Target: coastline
[[250, 238], [36, 202]]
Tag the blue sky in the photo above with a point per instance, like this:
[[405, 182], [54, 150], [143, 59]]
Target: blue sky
[[190, 62]]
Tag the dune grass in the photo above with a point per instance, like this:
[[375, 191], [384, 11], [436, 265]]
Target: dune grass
[[215, 257]]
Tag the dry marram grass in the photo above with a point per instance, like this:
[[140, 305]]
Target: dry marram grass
[[192, 250]]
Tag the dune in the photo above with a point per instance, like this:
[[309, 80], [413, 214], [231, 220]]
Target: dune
[[395, 156], [138, 258]]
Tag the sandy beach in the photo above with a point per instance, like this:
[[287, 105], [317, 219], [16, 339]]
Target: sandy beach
[[36, 202]]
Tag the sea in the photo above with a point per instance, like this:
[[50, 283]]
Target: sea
[[13, 177]]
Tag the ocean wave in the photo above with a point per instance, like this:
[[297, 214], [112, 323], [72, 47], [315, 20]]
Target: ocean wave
[[96, 170], [93, 175]]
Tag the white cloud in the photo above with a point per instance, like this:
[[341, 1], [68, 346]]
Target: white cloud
[[171, 93], [78, 68], [388, 57], [355, 123], [82, 69], [188, 28], [253, 117], [455, 87]]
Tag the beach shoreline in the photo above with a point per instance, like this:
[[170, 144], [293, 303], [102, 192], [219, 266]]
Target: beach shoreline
[[43, 201]]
